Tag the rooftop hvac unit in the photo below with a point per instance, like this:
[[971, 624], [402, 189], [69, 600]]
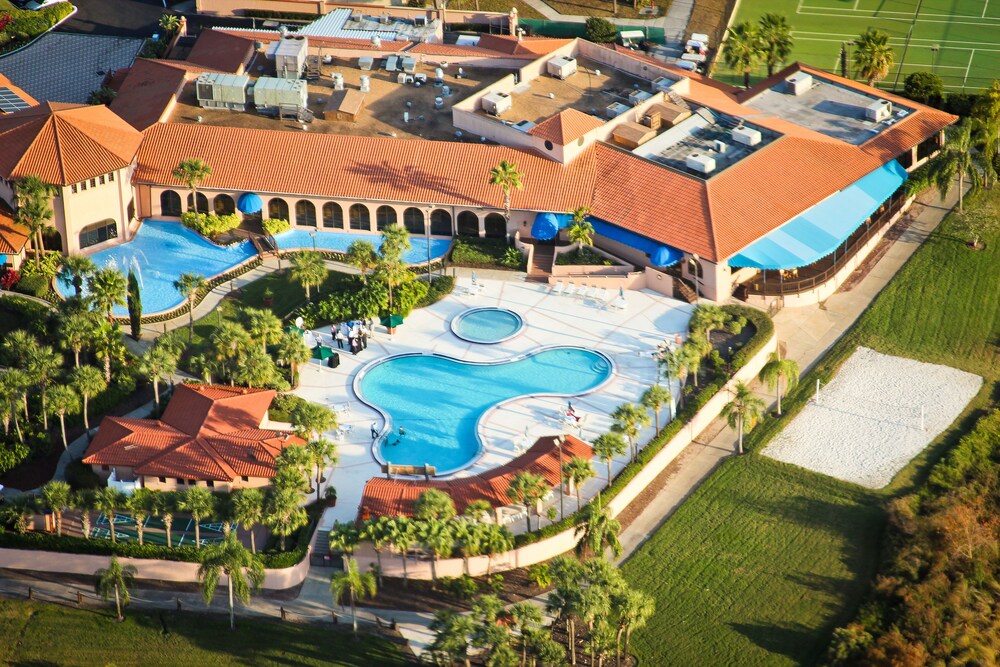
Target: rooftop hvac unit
[[384, 19], [497, 103], [746, 136], [879, 110], [561, 67], [662, 84], [798, 83], [720, 147], [703, 164]]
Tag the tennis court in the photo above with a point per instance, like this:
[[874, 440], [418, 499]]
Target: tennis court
[[182, 532], [955, 39]]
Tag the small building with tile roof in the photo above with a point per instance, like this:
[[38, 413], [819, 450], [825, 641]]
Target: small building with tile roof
[[209, 435]]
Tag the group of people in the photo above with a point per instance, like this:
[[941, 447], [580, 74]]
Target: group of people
[[355, 333]]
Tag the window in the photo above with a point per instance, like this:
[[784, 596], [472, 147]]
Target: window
[[277, 209], [192, 482], [385, 216], [413, 220], [170, 203], [102, 179], [98, 233], [441, 222], [93, 182], [83, 185], [496, 226], [245, 478], [210, 483], [74, 188], [163, 480], [548, 145], [224, 205], [202, 203], [333, 215], [305, 213], [468, 224], [105, 467], [180, 482], [360, 218], [111, 177]]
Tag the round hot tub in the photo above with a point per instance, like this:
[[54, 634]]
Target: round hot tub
[[487, 325]]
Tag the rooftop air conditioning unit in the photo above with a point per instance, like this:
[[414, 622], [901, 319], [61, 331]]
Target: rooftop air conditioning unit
[[703, 164], [662, 84], [497, 103], [720, 147], [879, 110], [798, 83], [746, 136]]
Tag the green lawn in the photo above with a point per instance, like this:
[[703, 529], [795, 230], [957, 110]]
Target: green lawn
[[45, 634], [954, 38]]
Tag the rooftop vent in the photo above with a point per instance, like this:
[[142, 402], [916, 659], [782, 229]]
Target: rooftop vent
[[879, 110], [703, 164], [746, 136], [720, 147], [798, 83]]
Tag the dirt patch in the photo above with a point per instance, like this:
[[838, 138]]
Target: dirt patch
[[422, 596]]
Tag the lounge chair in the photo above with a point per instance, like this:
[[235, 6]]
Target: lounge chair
[[558, 289], [570, 289], [601, 296]]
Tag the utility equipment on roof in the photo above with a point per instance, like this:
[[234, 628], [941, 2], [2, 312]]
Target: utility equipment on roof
[[272, 96], [10, 101], [290, 56], [222, 91], [879, 110], [497, 103], [798, 83], [703, 164], [561, 67], [746, 136]]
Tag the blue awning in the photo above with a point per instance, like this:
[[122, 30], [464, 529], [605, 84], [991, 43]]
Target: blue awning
[[3, 259], [658, 252], [818, 231], [545, 227], [249, 203]]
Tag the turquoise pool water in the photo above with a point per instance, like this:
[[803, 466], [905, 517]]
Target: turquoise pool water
[[487, 325], [160, 252], [339, 242], [438, 401]]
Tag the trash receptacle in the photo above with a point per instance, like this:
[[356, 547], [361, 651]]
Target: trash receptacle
[[334, 360]]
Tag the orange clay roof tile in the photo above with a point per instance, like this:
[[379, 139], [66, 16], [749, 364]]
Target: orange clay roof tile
[[565, 127], [13, 235], [222, 51]]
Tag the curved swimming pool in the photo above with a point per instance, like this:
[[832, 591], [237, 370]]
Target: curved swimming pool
[[438, 401], [487, 325]]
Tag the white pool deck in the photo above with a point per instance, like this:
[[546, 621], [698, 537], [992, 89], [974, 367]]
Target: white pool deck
[[627, 336]]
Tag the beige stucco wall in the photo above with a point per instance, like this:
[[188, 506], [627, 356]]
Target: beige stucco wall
[[75, 210]]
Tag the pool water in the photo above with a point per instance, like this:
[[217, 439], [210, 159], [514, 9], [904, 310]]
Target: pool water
[[487, 325], [160, 252], [438, 400], [340, 241]]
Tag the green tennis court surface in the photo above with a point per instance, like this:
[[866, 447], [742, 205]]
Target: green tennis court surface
[[959, 40], [182, 531]]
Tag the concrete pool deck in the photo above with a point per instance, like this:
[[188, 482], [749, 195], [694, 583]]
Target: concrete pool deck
[[628, 337]]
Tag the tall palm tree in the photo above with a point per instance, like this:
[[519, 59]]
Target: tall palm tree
[[469, 540], [633, 608], [578, 470], [88, 382], [19, 345], [107, 288], [200, 504], [743, 49], [581, 231], [496, 539], [283, 514], [629, 420], [108, 501], [192, 173], [322, 453], [392, 268], [402, 534], [248, 511], [63, 400], [507, 177], [706, 318], [140, 505], [56, 496], [293, 351], [452, 635], [18, 383], [262, 324], [33, 209], [597, 530], [228, 339], [117, 579], [158, 363], [43, 364], [956, 158], [607, 446], [362, 255], [75, 270], [352, 585], [83, 500], [777, 370], [243, 571], [743, 412], [311, 420], [378, 531], [527, 488], [873, 56], [164, 506], [189, 284], [693, 353], [653, 399], [309, 270], [76, 332], [437, 537], [776, 36]]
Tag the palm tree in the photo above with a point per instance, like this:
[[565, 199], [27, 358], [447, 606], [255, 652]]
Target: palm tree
[[312, 419], [633, 608], [159, 363], [564, 601], [56, 496], [228, 339], [116, 578], [706, 318], [75, 270], [378, 531], [164, 505], [578, 470], [352, 585], [597, 530], [452, 635], [527, 618], [109, 501], [199, 503], [283, 514], [243, 571], [692, 354], [607, 446], [76, 332], [308, 269], [191, 173], [63, 399], [776, 36], [170, 23], [395, 241], [141, 504], [436, 537], [469, 540], [43, 364], [777, 369], [496, 539], [362, 255], [653, 399], [743, 412], [956, 158], [18, 384], [262, 324], [189, 284], [19, 345], [434, 505], [743, 49], [88, 382], [293, 351], [33, 209], [19, 511], [873, 56], [527, 488], [581, 231], [478, 510], [507, 177], [248, 511], [107, 289], [83, 500], [321, 453], [629, 420], [402, 533]]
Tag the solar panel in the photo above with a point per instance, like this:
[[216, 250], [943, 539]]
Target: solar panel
[[10, 102]]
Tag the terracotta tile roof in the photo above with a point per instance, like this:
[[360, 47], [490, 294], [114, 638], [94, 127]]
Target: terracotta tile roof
[[403, 170], [223, 51], [327, 42], [148, 91], [391, 497], [13, 235], [466, 50], [565, 127], [530, 46], [207, 432], [7, 83], [65, 143]]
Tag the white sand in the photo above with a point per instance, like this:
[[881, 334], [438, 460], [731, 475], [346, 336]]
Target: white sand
[[866, 426]]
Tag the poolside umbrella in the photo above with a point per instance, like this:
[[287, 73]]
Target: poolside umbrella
[[390, 322], [249, 203], [545, 227]]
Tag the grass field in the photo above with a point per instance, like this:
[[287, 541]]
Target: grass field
[[759, 565], [957, 39], [36, 633]]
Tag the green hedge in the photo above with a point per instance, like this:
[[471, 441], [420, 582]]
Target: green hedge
[[274, 226], [210, 225], [479, 252], [764, 330], [975, 454], [441, 287]]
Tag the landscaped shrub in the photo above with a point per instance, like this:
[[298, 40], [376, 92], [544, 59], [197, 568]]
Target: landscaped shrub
[[12, 452], [974, 455], [274, 226], [441, 287], [585, 256], [209, 224], [288, 16], [601, 31], [33, 285], [513, 259], [479, 252], [282, 407], [463, 588], [82, 476], [408, 295], [9, 279], [24, 25]]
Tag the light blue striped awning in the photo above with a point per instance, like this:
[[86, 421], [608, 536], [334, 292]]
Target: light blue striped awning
[[818, 231]]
